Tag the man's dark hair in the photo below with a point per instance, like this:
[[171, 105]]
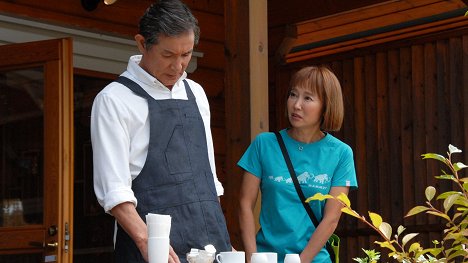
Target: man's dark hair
[[168, 18]]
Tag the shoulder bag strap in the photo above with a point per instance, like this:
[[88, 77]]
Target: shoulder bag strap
[[299, 191], [294, 179]]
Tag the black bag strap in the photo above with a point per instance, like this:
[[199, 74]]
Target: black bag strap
[[299, 191]]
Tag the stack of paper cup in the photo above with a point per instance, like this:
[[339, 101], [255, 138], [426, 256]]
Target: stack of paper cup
[[159, 227]]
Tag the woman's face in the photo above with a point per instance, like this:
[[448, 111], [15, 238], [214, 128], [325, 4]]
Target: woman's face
[[305, 109]]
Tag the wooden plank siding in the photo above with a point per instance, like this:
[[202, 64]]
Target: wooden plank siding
[[121, 19], [402, 99], [366, 26]]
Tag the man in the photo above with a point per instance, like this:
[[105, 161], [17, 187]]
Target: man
[[152, 145]]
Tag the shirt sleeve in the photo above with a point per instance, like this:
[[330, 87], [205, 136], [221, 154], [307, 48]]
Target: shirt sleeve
[[204, 108], [110, 142], [345, 173], [250, 160]]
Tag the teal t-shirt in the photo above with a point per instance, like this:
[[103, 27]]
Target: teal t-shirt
[[285, 225]]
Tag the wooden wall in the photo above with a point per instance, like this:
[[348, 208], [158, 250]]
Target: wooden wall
[[121, 19], [402, 99]]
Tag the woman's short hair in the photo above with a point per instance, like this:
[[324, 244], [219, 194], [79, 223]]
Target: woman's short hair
[[168, 18], [321, 81]]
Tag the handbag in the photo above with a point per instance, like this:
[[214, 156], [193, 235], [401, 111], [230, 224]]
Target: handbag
[[333, 243]]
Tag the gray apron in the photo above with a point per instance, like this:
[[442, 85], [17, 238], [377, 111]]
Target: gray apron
[[176, 179]]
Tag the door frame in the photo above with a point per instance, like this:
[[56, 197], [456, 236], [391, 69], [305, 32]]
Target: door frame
[[56, 58]]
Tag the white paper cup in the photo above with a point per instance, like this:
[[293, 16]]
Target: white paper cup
[[272, 257], [158, 229], [292, 258], [231, 257], [158, 218], [259, 258], [158, 249]]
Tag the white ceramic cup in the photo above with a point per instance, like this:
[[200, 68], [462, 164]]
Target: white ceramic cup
[[231, 257], [292, 258], [259, 258], [158, 249]]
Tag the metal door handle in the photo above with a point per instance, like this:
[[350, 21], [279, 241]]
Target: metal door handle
[[52, 244]]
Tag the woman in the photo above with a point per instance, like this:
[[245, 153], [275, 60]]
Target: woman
[[322, 164]]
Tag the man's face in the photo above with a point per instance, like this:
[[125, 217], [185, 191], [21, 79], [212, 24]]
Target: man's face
[[167, 60]]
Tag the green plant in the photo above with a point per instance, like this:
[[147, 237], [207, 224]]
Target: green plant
[[454, 245], [371, 256]]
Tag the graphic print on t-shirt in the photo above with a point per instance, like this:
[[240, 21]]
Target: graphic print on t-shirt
[[305, 179]]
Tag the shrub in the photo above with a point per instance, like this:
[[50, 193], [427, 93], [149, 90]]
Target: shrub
[[454, 245]]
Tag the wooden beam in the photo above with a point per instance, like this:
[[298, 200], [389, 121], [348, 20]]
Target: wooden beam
[[376, 39], [258, 28], [367, 18], [119, 19], [369, 25], [237, 97], [258, 25], [286, 44]]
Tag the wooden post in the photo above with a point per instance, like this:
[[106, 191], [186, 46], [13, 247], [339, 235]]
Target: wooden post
[[258, 67], [237, 98], [246, 91]]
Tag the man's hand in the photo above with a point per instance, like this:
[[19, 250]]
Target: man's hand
[[173, 258], [143, 247]]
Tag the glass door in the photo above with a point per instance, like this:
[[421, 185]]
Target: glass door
[[36, 152]]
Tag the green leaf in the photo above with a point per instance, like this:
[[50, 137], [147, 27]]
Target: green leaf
[[319, 197], [445, 177], [416, 210], [430, 193], [458, 166], [372, 255], [344, 198], [439, 215], [350, 212], [414, 247], [433, 251], [387, 245], [450, 201], [376, 219], [453, 149], [465, 186], [434, 156], [445, 195], [400, 230], [407, 238], [457, 253], [386, 229]]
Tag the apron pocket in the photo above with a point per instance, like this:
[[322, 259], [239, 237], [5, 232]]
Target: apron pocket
[[177, 156], [197, 130]]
